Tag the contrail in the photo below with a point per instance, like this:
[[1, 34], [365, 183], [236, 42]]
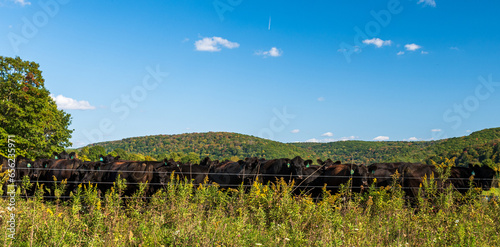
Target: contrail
[[269, 28]]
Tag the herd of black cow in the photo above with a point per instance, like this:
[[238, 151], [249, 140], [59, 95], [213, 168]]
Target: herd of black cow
[[308, 178]]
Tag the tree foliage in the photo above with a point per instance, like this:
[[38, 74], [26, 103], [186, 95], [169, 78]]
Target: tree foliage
[[232, 146], [28, 112]]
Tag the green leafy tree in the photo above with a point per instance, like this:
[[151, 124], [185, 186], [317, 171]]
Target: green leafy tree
[[120, 152], [95, 151], [28, 112], [192, 157]]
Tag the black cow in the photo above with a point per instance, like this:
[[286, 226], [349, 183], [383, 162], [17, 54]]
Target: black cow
[[50, 171], [192, 173], [412, 176], [383, 172], [105, 173], [25, 167], [312, 182], [233, 174], [272, 170], [336, 174]]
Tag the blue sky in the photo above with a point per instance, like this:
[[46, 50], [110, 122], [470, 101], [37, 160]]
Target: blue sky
[[284, 70]]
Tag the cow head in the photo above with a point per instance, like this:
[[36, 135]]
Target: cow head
[[249, 166], [484, 175], [108, 158], [72, 155], [87, 172], [297, 166], [206, 162], [63, 155], [24, 166], [364, 174], [170, 163], [39, 168]]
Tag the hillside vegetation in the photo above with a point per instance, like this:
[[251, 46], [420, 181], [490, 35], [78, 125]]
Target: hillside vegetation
[[224, 145]]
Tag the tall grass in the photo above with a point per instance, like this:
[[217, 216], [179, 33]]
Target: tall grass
[[262, 215]]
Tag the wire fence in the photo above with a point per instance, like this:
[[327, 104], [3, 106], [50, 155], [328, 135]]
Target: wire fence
[[187, 172]]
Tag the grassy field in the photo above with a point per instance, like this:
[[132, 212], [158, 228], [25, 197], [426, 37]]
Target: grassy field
[[260, 215]]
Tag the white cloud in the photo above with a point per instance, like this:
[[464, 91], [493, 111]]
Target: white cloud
[[214, 44], [348, 138], [324, 140], [377, 42], [400, 53], [381, 138], [330, 134], [468, 131], [185, 40], [436, 130], [321, 99], [424, 52], [312, 140], [295, 131], [71, 104], [22, 2], [413, 139], [428, 2], [454, 48], [412, 47], [274, 52]]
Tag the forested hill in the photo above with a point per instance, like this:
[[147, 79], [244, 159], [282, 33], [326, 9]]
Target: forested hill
[[419, 151], [216, 145], [224, 145]]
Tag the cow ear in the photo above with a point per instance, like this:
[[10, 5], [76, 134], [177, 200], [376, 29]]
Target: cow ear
[[72, 155], [337, 162], [320, 162]]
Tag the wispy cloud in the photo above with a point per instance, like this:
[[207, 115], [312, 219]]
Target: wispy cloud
[[347, 138], [330, 134], [321, 99], [412, 47], [214, 44], [424, 52], [295, 131], [357, 49], [400, 53], [377, 42], [431, 3], [436, 130], [381, 138], [454, 48], [274, 52], [22, 2], [412, 139], [324, 140], [66, 103]]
